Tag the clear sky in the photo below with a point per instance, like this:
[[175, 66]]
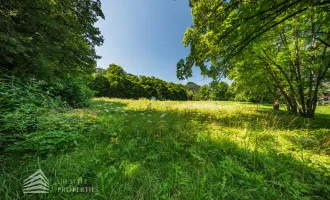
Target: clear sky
[[144, 37]]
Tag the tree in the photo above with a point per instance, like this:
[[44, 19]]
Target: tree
[[204, 93], [133, 87], [52, 41], [240, 23], [231, 93], [101, 71], [118, 83], [116, 77], [250, 84], [45, 38], [177, 92], [286, 42], [218, 91], [101, 85], [191, 86]]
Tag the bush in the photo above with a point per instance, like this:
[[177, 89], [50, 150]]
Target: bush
[[15, 92], [72, 90], [46, 142], [21, 102]]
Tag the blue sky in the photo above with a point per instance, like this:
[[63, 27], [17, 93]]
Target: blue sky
[[144, 37]]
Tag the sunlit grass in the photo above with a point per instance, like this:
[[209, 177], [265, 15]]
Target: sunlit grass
[[141, 149]]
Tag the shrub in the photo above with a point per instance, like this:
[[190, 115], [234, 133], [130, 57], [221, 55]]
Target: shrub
[[21, 102], [46, 142], [72, 90], [15, 92]]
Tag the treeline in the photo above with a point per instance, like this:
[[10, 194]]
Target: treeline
[[221, 91], [213, 91], [115, 82]]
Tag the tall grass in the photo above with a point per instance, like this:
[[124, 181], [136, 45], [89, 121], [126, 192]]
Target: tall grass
[[141, 149]]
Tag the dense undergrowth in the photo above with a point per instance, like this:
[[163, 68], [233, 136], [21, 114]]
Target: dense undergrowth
[[140, 149]]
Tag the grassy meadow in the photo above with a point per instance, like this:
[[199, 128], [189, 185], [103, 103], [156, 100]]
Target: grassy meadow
[[142, 149]]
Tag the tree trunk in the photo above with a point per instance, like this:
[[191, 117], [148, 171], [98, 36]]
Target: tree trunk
[[276, 105]]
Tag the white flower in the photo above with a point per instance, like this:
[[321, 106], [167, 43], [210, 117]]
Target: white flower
[[163, 115]]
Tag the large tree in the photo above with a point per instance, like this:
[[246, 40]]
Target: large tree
[[44, 38], [286, 42]]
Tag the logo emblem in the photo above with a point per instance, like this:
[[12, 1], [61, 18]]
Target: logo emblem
[[36, 183]]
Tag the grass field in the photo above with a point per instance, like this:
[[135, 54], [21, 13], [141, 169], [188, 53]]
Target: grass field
[[141, 149]]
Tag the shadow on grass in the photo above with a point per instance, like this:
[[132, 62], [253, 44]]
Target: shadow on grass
[[140, 155], [171, 158]]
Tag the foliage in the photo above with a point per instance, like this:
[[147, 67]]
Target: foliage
[[193, 87], [52, 41], [46, 143], [100, 71], [25, 117], [49, 38], [253, 90], [118, 83], [238, 24], [73, 90], [101, 86], [21, 102], [204, 93], [219, 91], [16, 92], [286, 43], [215, 91]]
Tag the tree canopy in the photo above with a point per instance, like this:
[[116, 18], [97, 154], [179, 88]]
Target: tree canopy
[[53, 41], [44, 38], [118, 83], [285, 43]]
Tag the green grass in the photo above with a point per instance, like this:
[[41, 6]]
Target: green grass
[[131, 149]]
